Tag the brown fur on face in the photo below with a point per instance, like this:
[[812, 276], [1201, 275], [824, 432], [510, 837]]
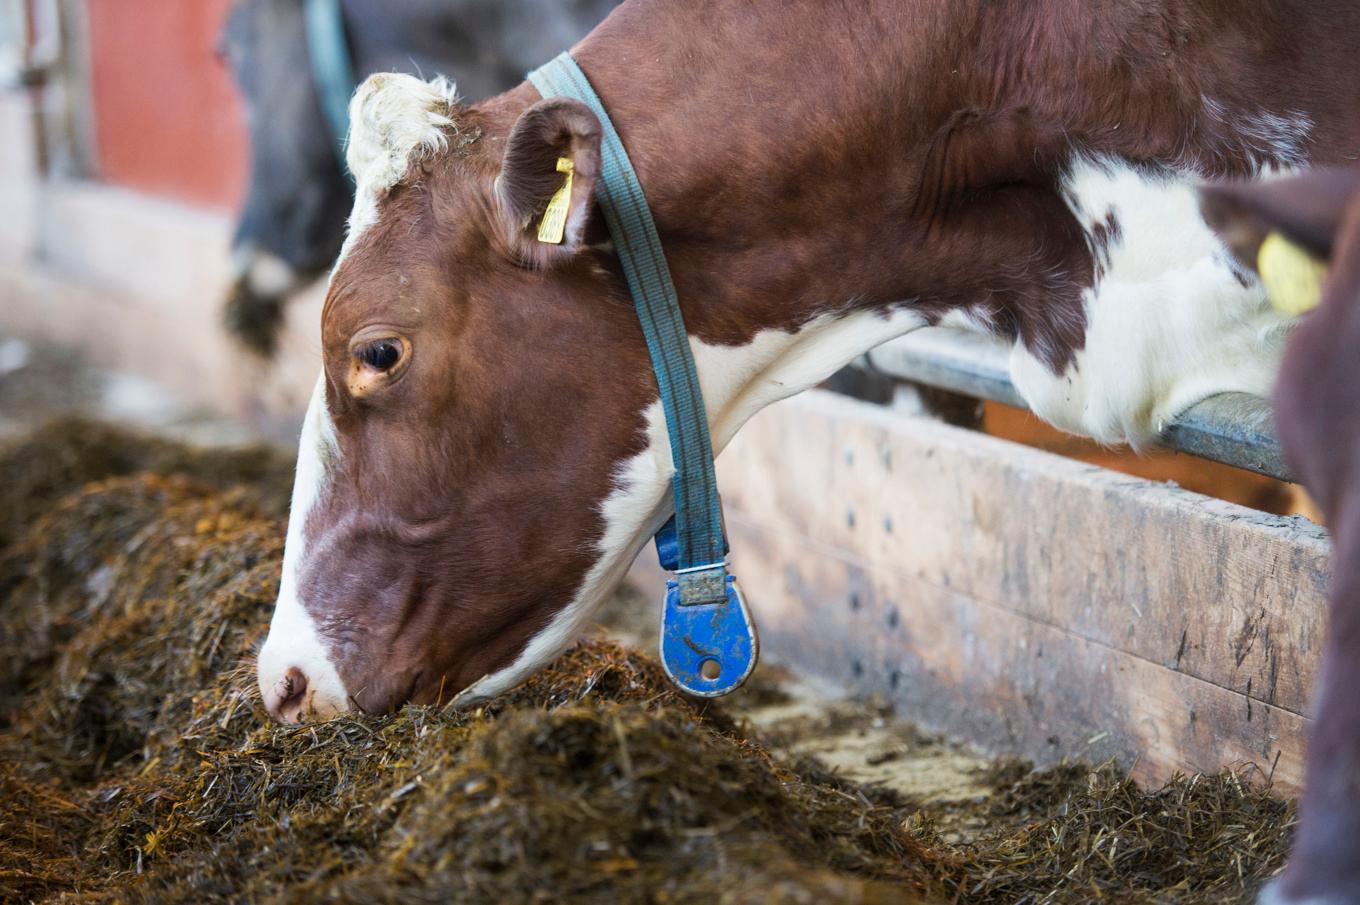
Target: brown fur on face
[[801, 159]]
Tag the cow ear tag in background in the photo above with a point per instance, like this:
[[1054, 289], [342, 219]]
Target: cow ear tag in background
[[553, 226], [709, 644], [1293, 278]]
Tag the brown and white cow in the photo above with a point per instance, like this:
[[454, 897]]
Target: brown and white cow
[[1317, 408], [484, 453]]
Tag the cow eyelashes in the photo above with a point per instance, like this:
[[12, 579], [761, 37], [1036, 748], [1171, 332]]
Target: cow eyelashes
[[381, 355]]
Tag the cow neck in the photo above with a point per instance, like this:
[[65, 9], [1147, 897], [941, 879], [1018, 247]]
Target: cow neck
[[708, 640], [621, 199], [804, 159], [764, 163]]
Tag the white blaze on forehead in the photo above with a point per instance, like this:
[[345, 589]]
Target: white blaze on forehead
[[294, 640], [394, 118], [737, 382]]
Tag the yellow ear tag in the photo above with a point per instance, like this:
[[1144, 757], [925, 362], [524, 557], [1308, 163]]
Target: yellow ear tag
[[554, 223], [1293, 278]]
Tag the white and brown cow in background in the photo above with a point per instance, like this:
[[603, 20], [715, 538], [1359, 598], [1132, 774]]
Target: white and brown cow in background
[[484, 454]]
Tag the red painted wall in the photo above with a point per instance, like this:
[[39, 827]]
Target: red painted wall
[[167, 116]]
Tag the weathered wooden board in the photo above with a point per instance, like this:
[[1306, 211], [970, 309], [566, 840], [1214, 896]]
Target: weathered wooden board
[[1031, 603], [989, 674]]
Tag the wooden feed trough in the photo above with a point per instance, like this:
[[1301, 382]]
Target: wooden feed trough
[[1024, 601]]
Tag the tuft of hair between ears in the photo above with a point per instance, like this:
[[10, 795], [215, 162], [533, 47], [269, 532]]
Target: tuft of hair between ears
[[395, 118]]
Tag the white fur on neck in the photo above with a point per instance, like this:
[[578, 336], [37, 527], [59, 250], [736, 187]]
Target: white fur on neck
[[1169, 320], [737, 382]]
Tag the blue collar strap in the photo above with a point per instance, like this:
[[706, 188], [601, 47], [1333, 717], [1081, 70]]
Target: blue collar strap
[[708, 640], [332, 70]]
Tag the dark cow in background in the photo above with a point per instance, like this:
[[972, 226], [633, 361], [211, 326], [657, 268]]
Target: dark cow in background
[[1317, 410], [293, 221]]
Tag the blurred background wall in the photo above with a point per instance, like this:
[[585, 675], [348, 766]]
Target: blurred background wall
[[123, 155], [167, 118]]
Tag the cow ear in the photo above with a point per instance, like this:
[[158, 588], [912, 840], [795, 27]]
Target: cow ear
[[1307, 209], [546, 186]]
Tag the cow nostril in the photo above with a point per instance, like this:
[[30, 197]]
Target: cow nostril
[[289, 696]]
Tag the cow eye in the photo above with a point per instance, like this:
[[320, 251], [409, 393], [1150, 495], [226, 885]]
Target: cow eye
[[381, 355], [377, 359]]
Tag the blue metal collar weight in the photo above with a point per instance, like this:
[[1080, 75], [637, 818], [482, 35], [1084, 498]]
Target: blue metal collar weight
[[708, 640]]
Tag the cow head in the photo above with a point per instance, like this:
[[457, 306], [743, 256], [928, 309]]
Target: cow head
[[292, 223], [475, 468]]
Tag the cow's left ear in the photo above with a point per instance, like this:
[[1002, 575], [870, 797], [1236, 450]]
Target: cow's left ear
[[546, 186]]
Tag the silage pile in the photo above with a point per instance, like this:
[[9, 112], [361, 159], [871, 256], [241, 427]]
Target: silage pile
[[137, 765]]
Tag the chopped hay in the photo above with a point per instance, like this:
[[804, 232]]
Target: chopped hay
[[1091, 835], [137, 765]]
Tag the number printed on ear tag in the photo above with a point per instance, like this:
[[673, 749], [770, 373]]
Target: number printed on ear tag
[[553, 226]]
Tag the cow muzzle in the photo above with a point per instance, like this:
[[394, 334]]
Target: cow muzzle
[[297, 681]]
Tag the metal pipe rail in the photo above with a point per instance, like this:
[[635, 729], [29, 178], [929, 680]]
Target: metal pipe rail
[[1232, 428]]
